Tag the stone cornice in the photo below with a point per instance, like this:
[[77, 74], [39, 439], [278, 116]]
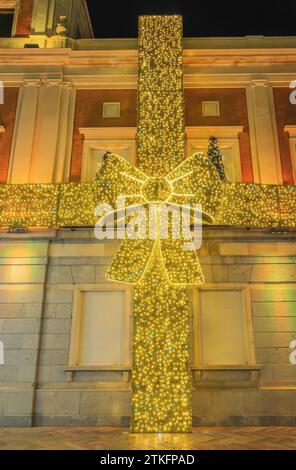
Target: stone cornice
[[129, 57], [7, 4], [203, 132], [225, 68], [127, 79], [210, 234], [95, 133], [239, 57]]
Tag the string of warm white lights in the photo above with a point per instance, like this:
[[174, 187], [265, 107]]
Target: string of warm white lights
[[160, 269], [161, 379], [72, 204], [29, 205]]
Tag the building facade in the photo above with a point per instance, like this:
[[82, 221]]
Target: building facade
[[64, 329]]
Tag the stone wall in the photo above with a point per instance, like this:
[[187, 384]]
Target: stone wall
[[38, 275], [89, 113], [233, 112], [23, 266]]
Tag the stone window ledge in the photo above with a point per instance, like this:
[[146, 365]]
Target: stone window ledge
[[125, 370], [254, 369], [227, 367], [197, 370], [89, 368]]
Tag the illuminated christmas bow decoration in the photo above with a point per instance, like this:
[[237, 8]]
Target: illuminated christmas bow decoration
[[195, 181]]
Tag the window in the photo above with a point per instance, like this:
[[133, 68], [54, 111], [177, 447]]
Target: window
[[211, 108], [6, 21], [228, 140], [99, 140], [111, 110], [224, 327], [100, 328]]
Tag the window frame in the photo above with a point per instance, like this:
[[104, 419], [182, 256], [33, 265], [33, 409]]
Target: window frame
[[228, 138], [77, 322], [114, 139], [248, 323]]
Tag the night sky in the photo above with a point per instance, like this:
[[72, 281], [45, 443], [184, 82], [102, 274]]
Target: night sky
[[201, 17]]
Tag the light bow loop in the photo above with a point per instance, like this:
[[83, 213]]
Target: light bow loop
[[181, 262], [130, 261], [117, 178], [194, 182]]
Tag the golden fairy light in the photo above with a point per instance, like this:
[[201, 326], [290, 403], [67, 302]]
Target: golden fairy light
[[243, 205], [160, 269], [161, 379]]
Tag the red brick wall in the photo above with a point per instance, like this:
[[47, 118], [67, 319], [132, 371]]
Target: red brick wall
[[233, 112], [89, 113], [7, 119], [285, 114], [24, 19], [89, 110]]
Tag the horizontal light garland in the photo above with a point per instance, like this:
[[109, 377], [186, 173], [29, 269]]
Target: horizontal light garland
[[29, 205], [72, 204], [258, 206]]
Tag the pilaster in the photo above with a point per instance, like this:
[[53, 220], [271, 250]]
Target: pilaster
[[43, 132], [24, 131], [263, 133]]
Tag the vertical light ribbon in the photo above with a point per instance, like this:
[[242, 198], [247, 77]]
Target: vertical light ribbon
[[161, 378]]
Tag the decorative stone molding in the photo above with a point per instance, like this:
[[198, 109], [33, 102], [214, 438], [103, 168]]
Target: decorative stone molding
[[99, 133], [27, 82], [7, 4], [112, 64], [204, 132], [47, 82], [291, 130]]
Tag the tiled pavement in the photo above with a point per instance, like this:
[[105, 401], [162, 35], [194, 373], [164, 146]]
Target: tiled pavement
[[274, 438]]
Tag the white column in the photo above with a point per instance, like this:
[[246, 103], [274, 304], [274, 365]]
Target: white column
[[53, 133], [46, 133], [24, 130], [65, 133], [292, 140], [42, 13], [42, 142], [263, 133]]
